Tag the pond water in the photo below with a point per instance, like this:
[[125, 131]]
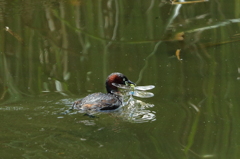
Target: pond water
[[55, 52]]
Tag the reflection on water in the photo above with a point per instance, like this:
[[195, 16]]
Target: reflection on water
[[54, 51], [87, 122], [38, 131]]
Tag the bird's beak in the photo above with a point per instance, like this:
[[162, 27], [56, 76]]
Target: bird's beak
[[130, 83]]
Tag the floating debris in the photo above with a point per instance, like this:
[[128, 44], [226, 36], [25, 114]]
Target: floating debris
[[14, 34], [178, 54]]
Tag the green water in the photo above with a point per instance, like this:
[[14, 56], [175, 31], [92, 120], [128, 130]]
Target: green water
[[54, 52]]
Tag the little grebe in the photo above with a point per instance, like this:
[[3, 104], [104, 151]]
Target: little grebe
[[101, 101]]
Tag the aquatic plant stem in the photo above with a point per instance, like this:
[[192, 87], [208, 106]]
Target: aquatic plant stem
[[176, 12]]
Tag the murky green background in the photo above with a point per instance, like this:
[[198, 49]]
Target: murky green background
[[54, 52]]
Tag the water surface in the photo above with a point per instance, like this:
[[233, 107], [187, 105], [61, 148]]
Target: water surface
[[54, 52]]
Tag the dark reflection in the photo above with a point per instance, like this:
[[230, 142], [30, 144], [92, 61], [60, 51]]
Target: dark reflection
[[54, 51]]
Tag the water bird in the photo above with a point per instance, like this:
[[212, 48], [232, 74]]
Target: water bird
[[105, 101]]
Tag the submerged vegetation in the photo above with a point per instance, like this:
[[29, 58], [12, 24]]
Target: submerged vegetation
[[187, 49]]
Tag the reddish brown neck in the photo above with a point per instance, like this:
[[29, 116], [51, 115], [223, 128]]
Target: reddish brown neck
[[110, 88]]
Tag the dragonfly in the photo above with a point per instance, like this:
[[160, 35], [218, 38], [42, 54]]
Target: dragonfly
[[138, 91]]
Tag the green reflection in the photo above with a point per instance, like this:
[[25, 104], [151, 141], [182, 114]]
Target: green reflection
[[60, 51]]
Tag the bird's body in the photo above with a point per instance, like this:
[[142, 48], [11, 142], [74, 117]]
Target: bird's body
[[104, 101]]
